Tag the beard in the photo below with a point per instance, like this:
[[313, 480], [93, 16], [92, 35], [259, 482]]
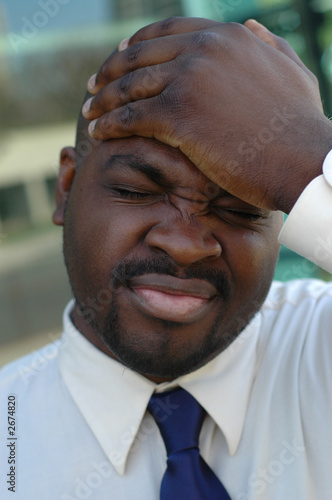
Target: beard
[[161, 351], [167, 358]]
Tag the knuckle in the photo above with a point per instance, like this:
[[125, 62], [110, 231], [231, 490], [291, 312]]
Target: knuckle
[[126, 116], [104, 122], [206, 40], [141, 90], [125, 84], [236, 31], [133, 53], [237, 28], [168, 25]]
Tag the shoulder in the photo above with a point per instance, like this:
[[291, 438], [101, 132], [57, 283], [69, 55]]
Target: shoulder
[[296, 316], [297, 294], [296, 319], [33, 367]]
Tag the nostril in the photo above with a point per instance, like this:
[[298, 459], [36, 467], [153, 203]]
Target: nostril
[[214, 249], [184, 242], [158, 250]]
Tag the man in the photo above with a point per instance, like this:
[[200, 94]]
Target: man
[[206, 132]]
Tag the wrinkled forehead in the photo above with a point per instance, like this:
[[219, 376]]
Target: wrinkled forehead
[[162, 163]]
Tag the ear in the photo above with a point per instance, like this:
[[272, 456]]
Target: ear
[[64, 182]]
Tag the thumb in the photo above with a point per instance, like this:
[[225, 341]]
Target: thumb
[[274, 41], [262, 32]]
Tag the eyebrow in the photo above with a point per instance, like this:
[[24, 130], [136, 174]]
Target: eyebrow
[[135, 163]]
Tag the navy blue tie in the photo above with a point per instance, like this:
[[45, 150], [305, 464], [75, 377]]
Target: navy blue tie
[[188, 477]]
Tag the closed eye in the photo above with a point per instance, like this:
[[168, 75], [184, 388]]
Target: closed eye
[[132, 195], [248, 216]]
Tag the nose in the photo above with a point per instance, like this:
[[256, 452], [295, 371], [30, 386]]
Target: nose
[[187, 241]]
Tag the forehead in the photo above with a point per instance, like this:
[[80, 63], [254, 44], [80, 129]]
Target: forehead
[[161, 163], [137, 162]]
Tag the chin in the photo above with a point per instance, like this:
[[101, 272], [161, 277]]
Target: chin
[[167, 354]]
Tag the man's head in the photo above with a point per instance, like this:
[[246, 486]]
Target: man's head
[[166, 267]]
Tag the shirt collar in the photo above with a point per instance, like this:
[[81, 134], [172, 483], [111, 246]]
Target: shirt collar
[[113, 399], [223, 386]]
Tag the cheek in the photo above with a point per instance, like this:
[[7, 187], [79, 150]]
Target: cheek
[[252, 257], [118, 231], [102, 234]]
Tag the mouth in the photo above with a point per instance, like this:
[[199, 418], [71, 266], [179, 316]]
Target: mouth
[[172, 299]]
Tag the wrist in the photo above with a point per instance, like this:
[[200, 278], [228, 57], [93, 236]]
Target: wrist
[[307, 166]]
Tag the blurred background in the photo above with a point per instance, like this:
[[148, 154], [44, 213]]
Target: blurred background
[[48, 50]]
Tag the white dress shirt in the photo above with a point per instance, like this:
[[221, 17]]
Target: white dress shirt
[[83, 432], [308, 229]]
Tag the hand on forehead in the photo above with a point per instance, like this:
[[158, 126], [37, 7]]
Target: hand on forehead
[[232, 98]]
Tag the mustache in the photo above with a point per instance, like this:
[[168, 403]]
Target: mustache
[[126, 270]]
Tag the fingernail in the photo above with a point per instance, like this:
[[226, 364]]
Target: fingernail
[[92, 126], [92, 82], [124, 44], [87, 106]]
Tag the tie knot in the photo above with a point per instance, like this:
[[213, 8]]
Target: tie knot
[[179, 418]]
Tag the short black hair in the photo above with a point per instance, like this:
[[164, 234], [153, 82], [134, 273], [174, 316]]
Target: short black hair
[[82, 134], [84, 142]]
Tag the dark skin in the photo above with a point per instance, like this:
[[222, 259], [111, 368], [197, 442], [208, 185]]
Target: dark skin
[[181, 221], [178, 231], [236, 100]]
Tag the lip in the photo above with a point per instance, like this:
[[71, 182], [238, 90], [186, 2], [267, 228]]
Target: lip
[[173, 299], [174, 286]]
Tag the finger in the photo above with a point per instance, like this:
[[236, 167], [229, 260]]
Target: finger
[[140, 84], [146, 53], [142, 54], [274, 41], [127, 121], [171, 26]]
